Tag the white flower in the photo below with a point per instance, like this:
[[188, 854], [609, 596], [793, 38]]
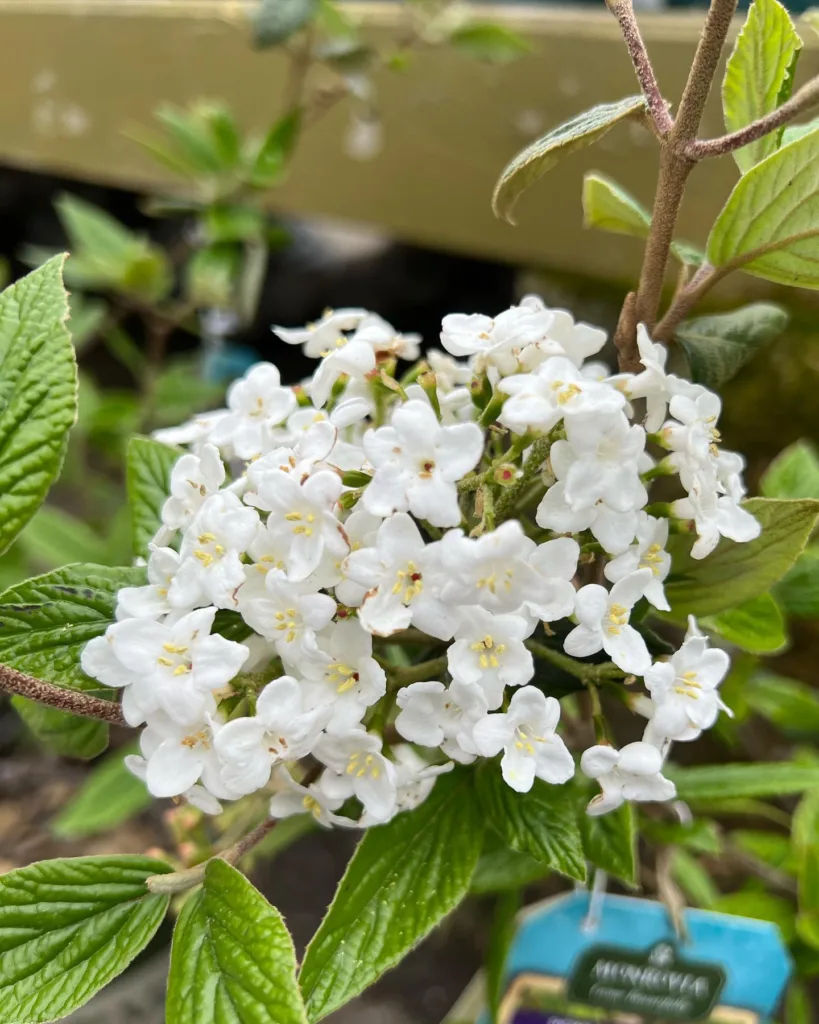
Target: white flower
[[449, 373], [175, 758], [653, 384], [397, 574], [684, 690], [614, 530], [598, 462], [436, 716], [541, 399], [716, 517], [193, 479], [577, 341], [499, 342], [303, 511], [280, 730], [633, 773], [493, 570], [256, 404], [343, 675], [489, 651], [173, 666], [316, 338], [211, 568], [288, 614], [361, 530], [418, 463], [195, 432], [150, 601], [358, 768], [526, 734], [293, 798], [414, 778], [603, 618], [555, 562], [648, 553], [383, 338]]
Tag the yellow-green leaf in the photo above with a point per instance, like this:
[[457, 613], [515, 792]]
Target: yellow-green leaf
[[533, 162], [759, 75], [770, 224]]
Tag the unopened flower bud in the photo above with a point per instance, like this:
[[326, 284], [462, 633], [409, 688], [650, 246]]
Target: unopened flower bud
[[506, 474]]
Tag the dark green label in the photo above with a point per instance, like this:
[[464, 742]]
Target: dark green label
[[657, 983]]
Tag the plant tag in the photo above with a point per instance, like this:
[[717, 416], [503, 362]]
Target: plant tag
[[625, 965]]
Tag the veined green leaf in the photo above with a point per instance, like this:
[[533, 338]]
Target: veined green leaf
[[232, 959], [38, 393], [44, 624], [501, 868], [794, 473], [403, 879], [736, 573], [533, 162], [55, 538], [757, 625], [719, 781], [149, 468], [798, 592], [68, 927], [610, 842], [718, 346], [759, 75], [609, 207], [768, 226], [542, 822], [109, 796]]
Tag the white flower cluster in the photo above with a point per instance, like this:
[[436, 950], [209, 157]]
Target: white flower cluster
[[331, 525]]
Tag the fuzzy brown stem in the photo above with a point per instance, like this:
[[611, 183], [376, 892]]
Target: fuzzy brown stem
[[72, 701], [661, 120], [799, 103], [703, 69]]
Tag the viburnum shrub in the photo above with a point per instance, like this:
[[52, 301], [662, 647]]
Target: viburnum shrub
[[361, 599]]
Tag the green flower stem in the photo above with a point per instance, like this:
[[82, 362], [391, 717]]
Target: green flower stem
[[72, 701], [505, 505], [417, 673], [588, 674], [598, 718]]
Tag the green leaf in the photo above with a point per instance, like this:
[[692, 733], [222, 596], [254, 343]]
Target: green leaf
[[269, 161], [501, 868], [807, 922], [542, 822], [148, 476], [798, 592], [233, 223], [232, 958], [805, 823], [44, 624], [403, 879], [796, 131], [693, 879], [86, 318], [759, 76], [798, 1004], [718, 781], [274, 21], [489, 40], [533, 162], [794, 473], [718, 346], [736, 573], [791, 705], [770, 848], [757, 625], [610, 842], [224, 132], [109, 796], [770, 230], [760, 905], [68, 927], [38, 393], [55, 538], [191, 135], [609, 207], [501, 935]]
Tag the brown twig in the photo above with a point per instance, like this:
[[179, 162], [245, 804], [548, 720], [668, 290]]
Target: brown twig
[[799, 103], [72, 701], [660, 119]]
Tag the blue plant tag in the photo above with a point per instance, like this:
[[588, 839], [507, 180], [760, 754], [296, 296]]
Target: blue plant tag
[[628, 964]]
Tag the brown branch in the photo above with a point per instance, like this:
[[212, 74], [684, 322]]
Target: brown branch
[[675, 168], [660, 119], [72, 701], [799, 103]]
